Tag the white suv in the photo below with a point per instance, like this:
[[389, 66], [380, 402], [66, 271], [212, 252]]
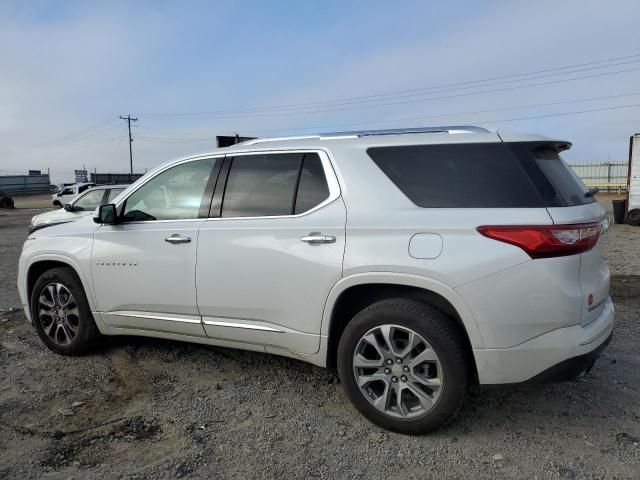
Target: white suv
[[417, 262], [68, 193]]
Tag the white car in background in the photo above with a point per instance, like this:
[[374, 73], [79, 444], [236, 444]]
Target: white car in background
[[78, 207], [65, 195]]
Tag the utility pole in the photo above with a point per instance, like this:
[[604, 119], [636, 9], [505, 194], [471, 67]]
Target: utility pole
[[129, 120]]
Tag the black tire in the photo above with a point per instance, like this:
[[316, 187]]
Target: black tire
[[6, 202], [444, 337], [633, 217], [87, 333]]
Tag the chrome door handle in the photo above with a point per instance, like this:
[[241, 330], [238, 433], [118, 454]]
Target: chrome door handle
[[315, 238], [177, 238]]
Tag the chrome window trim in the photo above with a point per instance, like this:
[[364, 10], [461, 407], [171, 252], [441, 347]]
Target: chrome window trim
[[329, 173]]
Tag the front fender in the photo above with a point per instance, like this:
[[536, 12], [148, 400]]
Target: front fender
[[58, 249], [409, 280]]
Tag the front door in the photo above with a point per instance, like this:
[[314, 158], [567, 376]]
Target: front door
[[272, 252], [144, 267]]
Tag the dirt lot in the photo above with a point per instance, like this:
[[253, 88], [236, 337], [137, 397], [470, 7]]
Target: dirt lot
[[143, 408]]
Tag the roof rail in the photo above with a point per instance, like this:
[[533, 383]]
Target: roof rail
[[368, 133]]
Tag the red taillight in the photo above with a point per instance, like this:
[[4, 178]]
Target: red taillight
[[548, 240]]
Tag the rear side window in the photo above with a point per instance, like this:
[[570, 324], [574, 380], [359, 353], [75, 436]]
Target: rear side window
[[480, 175], [261, 185], [273, 184]]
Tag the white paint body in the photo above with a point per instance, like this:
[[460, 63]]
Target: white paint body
[[634, 173], [251, 283]]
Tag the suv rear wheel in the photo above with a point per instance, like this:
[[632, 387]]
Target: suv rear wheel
[[403, 366], [61, 313]]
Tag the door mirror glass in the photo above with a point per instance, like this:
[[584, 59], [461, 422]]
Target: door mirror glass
[[107, 214]]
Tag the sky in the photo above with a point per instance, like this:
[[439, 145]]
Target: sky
[[190, 70]]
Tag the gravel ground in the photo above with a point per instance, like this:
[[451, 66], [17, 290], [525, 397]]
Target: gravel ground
[[13, 232], [142, 408]]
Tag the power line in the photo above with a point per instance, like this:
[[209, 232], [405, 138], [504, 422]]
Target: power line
[[194, 139], [75, 134], [533, 117], [129, 120], [90, 132], [562, 114], [459, 114], [403, 102], [413, 92]]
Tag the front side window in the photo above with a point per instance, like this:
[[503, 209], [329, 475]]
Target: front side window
[[89, 201], [83, 188], [175, 194], [67, 191]]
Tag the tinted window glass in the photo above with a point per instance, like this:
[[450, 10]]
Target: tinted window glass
[[172, 195], [565, 181], [313, 188], [89, 201], [67, 191], [261, 185], [83, 188], [481, 175], [113, 193]]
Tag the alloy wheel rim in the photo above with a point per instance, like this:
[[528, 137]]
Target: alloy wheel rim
[[58, 313], [397, 371]]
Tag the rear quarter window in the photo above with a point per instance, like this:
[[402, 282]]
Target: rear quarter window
[[471, 175]]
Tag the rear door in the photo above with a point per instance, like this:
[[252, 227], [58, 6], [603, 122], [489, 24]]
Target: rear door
[[271, 251]]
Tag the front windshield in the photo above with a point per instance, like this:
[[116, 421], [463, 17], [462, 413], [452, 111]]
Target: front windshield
[[89, 201]]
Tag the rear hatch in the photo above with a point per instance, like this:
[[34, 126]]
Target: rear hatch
[[569, 202]]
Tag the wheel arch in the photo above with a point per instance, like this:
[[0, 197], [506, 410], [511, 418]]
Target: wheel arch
[[352, 294], [41, 264]]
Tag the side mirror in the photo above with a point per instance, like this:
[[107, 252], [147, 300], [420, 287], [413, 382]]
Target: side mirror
[[107, 214], [68, 207]]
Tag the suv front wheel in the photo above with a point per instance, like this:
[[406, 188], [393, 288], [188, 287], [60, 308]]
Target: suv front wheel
[[402, 364], [61, 313]]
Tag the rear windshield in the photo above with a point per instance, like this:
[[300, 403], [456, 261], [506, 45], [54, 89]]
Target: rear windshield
[[481, 175], [564, 180]]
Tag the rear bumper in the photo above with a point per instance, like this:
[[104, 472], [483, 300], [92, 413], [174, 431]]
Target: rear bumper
[[554, 356], [571, 368]]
